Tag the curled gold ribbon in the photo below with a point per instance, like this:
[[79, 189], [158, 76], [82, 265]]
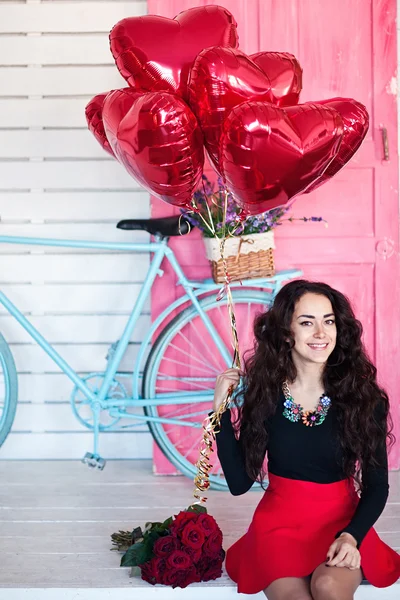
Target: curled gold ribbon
[[211, 423]]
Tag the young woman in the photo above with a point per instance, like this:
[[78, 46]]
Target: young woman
[[309, 399]]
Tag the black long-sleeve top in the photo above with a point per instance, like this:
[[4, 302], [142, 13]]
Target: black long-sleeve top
[[313, 454]]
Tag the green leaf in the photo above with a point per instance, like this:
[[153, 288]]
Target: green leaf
[[159, 530], [151, 537], [197, 508], [167, 523], [150, 525], [138, 553], [131, 556]]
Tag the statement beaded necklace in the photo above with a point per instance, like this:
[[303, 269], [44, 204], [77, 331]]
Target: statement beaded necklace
[[294, 412]]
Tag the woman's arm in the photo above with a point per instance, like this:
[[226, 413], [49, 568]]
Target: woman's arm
[[231, 456], [373, 497]]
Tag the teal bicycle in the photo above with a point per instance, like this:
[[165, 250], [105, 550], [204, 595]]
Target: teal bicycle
[[190, 344]]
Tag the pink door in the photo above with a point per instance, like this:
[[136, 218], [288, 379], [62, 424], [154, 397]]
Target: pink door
[[346, 49]]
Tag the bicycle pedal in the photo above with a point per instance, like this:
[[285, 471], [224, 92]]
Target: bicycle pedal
[[94, 461]]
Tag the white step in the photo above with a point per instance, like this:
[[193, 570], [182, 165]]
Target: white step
[[212, 591], [56, 518]]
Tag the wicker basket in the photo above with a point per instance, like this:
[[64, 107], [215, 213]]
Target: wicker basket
[[247, 256]]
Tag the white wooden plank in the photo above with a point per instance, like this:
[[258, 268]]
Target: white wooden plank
[[69, 544], [70, 298], [76, 206], [33, 585], [55, 50], [52, 387], [67, 514], [59, 417], [53, 529], [71, 268], [134, 514], [59, 81], [57, 561], [49, 473], [98, 495], [61, 143], [43, 112], [41, 387], [101, 232], [58, 446], [70, 175], [76, 329], [67, 16], [82, 358]]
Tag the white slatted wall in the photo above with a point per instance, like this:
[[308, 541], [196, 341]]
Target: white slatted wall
[[56, 181]]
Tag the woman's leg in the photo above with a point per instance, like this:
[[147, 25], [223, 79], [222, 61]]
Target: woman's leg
[[289, 588], [334, 583]]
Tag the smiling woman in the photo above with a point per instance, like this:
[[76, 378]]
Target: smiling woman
[[309, 399], [314, 333]]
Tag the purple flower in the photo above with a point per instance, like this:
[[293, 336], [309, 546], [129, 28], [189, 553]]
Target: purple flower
[[211, 203]]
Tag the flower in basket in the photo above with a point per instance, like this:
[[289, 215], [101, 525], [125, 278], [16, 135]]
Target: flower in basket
[[210, 210], [184, 549], [249, 244]]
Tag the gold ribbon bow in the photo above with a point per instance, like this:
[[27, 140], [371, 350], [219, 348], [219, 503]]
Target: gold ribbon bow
[[242, 241]]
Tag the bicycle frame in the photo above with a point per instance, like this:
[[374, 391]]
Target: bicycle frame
[[193, 290]]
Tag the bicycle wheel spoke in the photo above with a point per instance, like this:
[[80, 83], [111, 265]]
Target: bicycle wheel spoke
[[192, 383], [182, 410], [194, 351], [201, 342], [206, 368]]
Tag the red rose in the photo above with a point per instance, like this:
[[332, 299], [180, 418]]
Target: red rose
[[207, 523], [193, 536], [181, 520], [181, 578], [194, 553], [165, 545], [213, 543], [152, 570], [214, 570], [179, 560]]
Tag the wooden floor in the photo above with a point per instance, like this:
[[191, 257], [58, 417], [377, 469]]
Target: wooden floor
[[56, 518]]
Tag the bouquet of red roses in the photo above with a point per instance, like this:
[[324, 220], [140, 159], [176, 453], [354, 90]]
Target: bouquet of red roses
[[184, 549]]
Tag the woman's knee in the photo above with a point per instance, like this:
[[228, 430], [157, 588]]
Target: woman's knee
[[289, 588], [326, 587], [293, 595]]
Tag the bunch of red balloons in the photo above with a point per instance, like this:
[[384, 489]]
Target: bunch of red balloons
[[191, 88]]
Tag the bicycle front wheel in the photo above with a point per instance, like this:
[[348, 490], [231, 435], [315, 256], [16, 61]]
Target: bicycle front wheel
[[8, 389], [184, 363]]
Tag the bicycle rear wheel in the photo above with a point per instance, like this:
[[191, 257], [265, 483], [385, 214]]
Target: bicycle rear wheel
[[8, 389], [184, 363]]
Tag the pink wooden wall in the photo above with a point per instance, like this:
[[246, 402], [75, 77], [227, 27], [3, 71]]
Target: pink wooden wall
[[346, 49]]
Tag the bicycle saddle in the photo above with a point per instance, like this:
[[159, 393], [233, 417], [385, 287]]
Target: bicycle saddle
[[165, 227]]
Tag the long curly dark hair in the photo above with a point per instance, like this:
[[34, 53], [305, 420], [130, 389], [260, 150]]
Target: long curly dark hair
[[349, 378]]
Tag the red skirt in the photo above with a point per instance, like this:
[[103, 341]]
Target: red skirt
[[292, 528]]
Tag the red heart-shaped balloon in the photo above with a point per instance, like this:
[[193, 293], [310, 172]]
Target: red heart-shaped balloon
[[220, 79], [270, 154], [93, 113], [285, 74], [160, 144], [356, 122], [156, 53], [115, 107]]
